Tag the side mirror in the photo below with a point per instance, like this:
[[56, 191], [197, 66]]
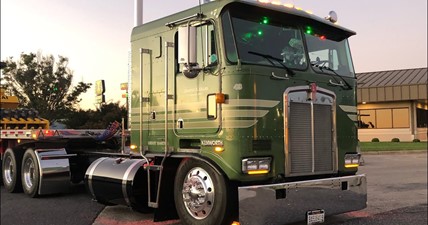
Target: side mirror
[[187, 51]]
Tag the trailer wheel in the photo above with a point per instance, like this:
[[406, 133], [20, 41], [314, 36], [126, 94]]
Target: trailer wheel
[[11, 170], [201, 194], [30, 173]]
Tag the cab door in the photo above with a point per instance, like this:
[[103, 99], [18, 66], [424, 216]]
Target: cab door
[[191, 94]]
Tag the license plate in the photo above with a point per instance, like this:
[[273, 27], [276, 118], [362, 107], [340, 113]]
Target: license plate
[[315, 216]]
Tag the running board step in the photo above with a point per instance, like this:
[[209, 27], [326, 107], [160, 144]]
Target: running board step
[[155, 170]]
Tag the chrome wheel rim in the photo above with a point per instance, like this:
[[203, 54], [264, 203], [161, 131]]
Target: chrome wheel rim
[[198, 193], [29, 172], [8, 170]]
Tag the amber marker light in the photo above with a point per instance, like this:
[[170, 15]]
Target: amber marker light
[[351, 165], [257, 172], [133, 148], [220, 98], [219, 149], [235, 223]]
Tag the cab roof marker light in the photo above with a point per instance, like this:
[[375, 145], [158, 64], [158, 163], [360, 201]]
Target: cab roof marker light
[[309, 12], [288, 5], [264, 1], [276, 3]]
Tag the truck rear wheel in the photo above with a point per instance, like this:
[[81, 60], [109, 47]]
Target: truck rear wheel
[[201, 194], [30, 174], [11, 170]]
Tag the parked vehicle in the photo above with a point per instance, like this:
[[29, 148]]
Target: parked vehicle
[[240, 111]]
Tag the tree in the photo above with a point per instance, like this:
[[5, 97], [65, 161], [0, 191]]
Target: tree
[[96, 119], [43, 83]]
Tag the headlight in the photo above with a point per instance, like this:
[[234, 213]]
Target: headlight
[[352, 160], [256, 165]]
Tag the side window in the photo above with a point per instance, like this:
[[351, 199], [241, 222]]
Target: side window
[[206, 49], [325, 57], [206, 54]]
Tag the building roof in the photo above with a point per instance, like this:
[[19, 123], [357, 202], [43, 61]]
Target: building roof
[[393, 85], [392, 78]]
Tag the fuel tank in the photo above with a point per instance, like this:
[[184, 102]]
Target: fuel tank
[[118, 181]]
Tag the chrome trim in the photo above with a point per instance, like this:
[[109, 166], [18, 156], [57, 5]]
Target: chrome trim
[[91, 170], [57, 169], [125, 179], [299, 94], [313, 135], [285, 203], [9, 171]]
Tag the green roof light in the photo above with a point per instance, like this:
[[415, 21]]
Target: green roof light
[[265, 20], [309, 30]]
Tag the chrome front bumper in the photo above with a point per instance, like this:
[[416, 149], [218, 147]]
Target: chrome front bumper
[[288, 202]]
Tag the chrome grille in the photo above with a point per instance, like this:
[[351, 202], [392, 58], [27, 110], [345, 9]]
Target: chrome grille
[[310, 133], [300, 138], [323, 138]]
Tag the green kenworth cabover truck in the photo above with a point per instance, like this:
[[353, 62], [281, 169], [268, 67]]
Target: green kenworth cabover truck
[[241, 112]]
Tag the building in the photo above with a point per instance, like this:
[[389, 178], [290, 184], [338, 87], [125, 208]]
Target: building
[[393, 104]]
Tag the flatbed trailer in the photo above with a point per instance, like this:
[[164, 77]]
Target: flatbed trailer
[[47, 161]]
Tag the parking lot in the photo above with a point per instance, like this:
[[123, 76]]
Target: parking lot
[[397, 194]]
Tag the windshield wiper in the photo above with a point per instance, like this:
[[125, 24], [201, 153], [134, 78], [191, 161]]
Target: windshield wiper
[[343, 83], [269, 58]]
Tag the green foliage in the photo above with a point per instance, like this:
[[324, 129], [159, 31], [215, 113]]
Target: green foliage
[[43, 83], [416, 140], [395, 140], [96, 119], [375, 140], [392, 146]]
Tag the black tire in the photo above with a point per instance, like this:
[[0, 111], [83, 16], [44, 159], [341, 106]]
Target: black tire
[[11, 170], [30, 173], [216, 195]]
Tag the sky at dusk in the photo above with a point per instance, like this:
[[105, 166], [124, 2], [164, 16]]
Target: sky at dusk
[[95, 34]]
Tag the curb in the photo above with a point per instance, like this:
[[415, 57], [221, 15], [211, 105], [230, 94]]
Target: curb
[[394, 152]]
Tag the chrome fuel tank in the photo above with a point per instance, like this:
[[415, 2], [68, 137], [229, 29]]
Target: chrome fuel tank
[[118, 181]]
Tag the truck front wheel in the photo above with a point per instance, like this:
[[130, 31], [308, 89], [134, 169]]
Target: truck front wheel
[[201, 194], [11, 170], [30, 173]]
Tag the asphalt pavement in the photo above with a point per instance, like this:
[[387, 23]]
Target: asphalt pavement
[[397, 194], [74, 208]]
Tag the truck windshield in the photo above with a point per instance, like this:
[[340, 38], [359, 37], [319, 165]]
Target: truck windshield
[[258, 36], [329, 56], [276, 39]]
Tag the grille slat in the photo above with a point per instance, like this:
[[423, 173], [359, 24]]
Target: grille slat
[[300, 138]]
